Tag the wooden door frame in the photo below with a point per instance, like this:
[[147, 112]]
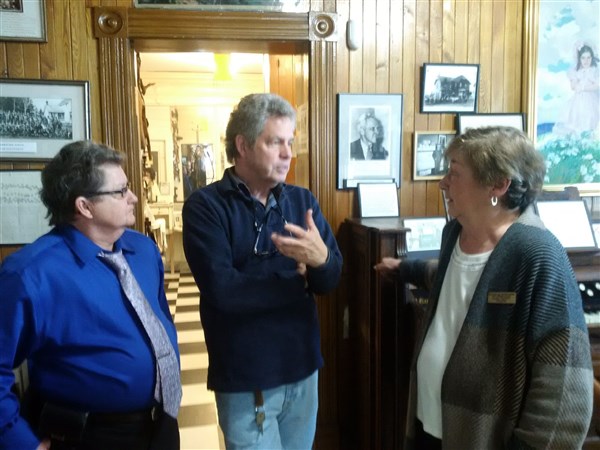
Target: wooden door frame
[[120, 31]]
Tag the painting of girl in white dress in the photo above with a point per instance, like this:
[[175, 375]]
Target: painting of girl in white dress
[[583, 109], [567, 103]]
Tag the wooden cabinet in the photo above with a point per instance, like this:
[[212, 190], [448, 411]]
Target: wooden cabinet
[[379, 337]]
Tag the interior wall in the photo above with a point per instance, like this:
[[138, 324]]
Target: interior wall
[[396, 38]]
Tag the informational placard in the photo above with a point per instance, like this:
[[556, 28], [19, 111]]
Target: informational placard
[[378, 199], [22, 213]]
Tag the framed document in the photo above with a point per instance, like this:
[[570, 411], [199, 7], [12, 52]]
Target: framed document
[[378, 200]]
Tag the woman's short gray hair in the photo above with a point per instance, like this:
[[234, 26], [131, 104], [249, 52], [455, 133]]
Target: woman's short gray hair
[[249, 117], [498, 153]]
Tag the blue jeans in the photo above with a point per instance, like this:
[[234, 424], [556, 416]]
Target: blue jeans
[[290, 417]]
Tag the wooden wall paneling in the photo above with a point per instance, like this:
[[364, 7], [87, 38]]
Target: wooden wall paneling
[[48, 50], [93, 75], [396, 32], [119, 116], [63, 44], [323, 75], [512, 58], [410, 91], [472, 39], [422, 55], [497, 62], [14, 54], [369, 49], [3, 61], [485, 57], [79, 41], [382, 46], [31, 60]]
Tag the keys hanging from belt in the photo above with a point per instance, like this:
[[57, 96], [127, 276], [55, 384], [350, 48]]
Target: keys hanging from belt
[[259, 409]]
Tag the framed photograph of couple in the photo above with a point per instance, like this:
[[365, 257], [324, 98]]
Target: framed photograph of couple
[[428, 154], [39, 117], [369, 139], [449, 88]]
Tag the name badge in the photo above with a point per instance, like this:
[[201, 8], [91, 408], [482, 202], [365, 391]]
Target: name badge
[[502, 298]]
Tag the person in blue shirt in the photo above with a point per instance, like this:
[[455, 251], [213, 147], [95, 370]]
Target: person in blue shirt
[[259, 250], [91, 366]]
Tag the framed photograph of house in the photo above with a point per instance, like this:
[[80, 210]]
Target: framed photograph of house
[[23, 20], [369, 139], [22, 213], [38, 117], [428, 154], [449, 88], [560, 55], [466, 121]]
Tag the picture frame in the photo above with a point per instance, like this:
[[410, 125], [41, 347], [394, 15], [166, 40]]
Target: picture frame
[[41, 116], [449, 88], [466, 120], [378, 200], [570, 222], [24, 20], [428, 154], [369, 139], [551, 60], [22, 213], [228, 5], [424, 239]]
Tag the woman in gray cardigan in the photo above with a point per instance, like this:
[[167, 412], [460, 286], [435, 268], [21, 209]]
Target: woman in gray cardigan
[[502, 360]]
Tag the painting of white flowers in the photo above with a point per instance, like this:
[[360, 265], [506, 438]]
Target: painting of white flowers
[[567, 100]]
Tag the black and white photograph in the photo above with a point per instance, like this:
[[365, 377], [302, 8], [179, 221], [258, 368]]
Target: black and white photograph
[[449, 88], [428, 154], [38, 117], [466, 121], [369, 138], [23, 20]]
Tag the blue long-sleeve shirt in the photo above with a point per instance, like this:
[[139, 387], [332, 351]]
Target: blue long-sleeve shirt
[[258, 313], [63, 310]]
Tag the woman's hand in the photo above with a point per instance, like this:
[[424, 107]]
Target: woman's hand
[[44, 445], [387, 265]]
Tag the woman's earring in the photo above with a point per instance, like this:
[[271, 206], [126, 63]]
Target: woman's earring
[[494, 200]]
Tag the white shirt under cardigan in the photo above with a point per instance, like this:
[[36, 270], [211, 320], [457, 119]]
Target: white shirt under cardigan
[[461, 278]]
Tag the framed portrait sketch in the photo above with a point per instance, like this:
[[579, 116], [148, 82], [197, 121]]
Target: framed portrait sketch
[[369, 139], [449, 88], [562, 93], [428, 154], [465, 121], [23, 20], [22, 213], [38, 117]]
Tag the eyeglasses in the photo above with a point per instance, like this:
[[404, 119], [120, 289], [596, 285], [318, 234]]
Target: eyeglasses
[[275, 223], [122, 192]]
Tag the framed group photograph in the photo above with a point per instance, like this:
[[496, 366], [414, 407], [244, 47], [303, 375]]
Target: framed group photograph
[[39, 117], [466, 121], [428, 154], [23, 20], [369, 139], [449, 88]]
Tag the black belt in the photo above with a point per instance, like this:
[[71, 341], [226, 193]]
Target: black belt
[[147, 415]]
